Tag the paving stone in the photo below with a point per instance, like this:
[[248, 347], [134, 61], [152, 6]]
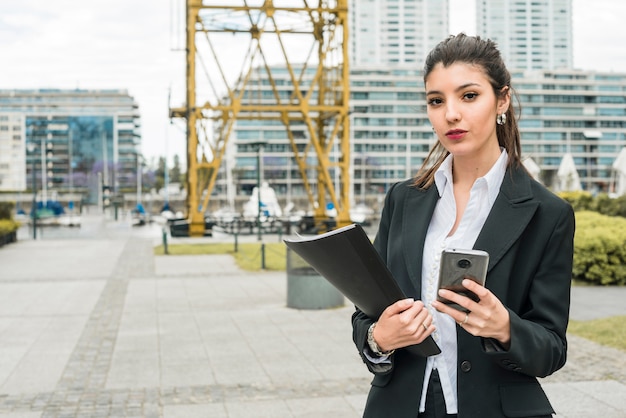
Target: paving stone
[[208, 340]]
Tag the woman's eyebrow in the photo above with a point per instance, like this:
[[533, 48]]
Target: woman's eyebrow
[[461, 87]]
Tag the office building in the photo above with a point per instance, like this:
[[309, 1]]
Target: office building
[[582, 113], [76, 141], [395, 32], [12, 151], [531, 34], [564, 111]]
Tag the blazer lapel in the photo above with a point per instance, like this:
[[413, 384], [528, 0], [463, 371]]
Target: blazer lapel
[[512, 211], [418, 210]]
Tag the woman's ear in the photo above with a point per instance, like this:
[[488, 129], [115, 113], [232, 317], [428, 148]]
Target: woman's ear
[[504, 100]]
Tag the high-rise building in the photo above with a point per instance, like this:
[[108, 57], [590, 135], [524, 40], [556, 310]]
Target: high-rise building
[[395, 32], [12, 149], [581, 113], [531, 34], [564, 111], [74, 141]]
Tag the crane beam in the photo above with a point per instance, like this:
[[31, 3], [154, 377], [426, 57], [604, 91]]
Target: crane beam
[[217, 96]]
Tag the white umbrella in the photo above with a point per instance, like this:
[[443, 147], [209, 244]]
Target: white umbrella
[[569, 180], [619, 165], [532, 168]]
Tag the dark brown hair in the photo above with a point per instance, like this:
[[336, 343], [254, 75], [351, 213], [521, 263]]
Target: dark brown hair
[[482, 53]]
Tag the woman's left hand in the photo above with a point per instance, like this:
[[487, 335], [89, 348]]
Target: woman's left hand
[[487, 318]]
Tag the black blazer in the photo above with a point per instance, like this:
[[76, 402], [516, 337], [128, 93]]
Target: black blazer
[[529, 236]]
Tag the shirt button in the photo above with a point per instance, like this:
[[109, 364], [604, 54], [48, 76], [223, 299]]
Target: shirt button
[[466, 366]]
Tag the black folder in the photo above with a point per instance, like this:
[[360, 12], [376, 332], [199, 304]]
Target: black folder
[[348, 260]]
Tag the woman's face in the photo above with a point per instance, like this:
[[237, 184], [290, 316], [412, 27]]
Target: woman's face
[[462, 108]]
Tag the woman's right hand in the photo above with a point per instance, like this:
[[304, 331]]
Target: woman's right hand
[[404, 323]]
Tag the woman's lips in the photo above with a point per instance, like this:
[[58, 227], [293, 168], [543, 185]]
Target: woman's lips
[[455, 134]]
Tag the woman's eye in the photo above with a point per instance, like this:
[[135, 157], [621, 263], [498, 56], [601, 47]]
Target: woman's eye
[[434, 101], [470, 96]]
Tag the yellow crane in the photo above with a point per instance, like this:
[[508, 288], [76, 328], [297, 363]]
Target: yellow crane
[[308, 39]]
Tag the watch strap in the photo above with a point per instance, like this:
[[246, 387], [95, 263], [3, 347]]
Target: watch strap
[[371, 342]]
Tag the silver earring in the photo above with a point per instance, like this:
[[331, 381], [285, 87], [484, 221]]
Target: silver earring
[[501, 119]]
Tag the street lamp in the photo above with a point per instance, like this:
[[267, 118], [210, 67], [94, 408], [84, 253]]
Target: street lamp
[[139, 177], [31, 150], [259, 148]]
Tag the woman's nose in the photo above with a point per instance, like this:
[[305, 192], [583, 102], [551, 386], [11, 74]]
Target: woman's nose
[[452, 113]]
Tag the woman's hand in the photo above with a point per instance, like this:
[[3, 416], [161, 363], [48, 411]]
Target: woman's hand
[[487, 318], [404, 323]]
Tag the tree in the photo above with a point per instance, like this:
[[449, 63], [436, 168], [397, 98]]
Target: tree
[[175, 172], [159, 173]]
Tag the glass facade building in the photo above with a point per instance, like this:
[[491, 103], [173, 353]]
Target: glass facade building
[[12, 151], [75, 141], [577, 112], [395, 32], [580, 112], [531, 34]]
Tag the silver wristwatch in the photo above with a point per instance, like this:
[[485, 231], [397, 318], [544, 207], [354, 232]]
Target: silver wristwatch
[[371, 342]]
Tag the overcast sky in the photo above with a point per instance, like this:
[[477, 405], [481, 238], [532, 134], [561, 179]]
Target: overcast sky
[[131, 44]]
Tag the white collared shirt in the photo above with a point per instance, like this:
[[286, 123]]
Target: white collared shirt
[[482, 196]]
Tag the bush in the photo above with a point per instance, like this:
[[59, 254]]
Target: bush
[[601, 203], [6, 210], [604, 204], [620, 205], [600, 249], [579, 200], [7, 226], [609, 206]]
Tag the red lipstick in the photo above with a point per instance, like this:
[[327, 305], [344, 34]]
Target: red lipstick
[[455, 133]]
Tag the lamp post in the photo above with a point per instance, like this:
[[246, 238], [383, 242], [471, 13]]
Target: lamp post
[[259, 149], [139, 178], [31, 150]]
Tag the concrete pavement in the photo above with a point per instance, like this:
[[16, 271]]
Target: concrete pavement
[[93, 325]]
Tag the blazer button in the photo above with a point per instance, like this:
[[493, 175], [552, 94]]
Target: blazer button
[[466, 366]]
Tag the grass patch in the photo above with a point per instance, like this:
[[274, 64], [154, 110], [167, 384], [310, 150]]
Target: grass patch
[[606, 331], [248, 255]]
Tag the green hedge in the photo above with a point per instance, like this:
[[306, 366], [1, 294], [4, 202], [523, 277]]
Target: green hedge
[[7, 226], [600, 249], [8, 231], [6, 210], [601, 203]]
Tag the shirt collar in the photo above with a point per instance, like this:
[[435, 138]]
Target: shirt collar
[[493, 178]]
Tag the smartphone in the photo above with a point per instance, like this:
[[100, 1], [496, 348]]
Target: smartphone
[[457, 265]]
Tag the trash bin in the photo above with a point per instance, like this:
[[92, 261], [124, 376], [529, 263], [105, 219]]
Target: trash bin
[[307, 289]]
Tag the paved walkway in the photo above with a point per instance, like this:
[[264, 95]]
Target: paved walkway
[[94, 325]]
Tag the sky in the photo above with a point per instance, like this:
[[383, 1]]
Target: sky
[[135, 45]]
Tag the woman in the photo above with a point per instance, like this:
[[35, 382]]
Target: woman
[[472, 192]]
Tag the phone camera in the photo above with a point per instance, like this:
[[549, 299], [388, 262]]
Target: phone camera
[[464, 263]]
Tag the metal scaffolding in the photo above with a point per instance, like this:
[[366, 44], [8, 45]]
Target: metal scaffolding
[[309, 40]]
